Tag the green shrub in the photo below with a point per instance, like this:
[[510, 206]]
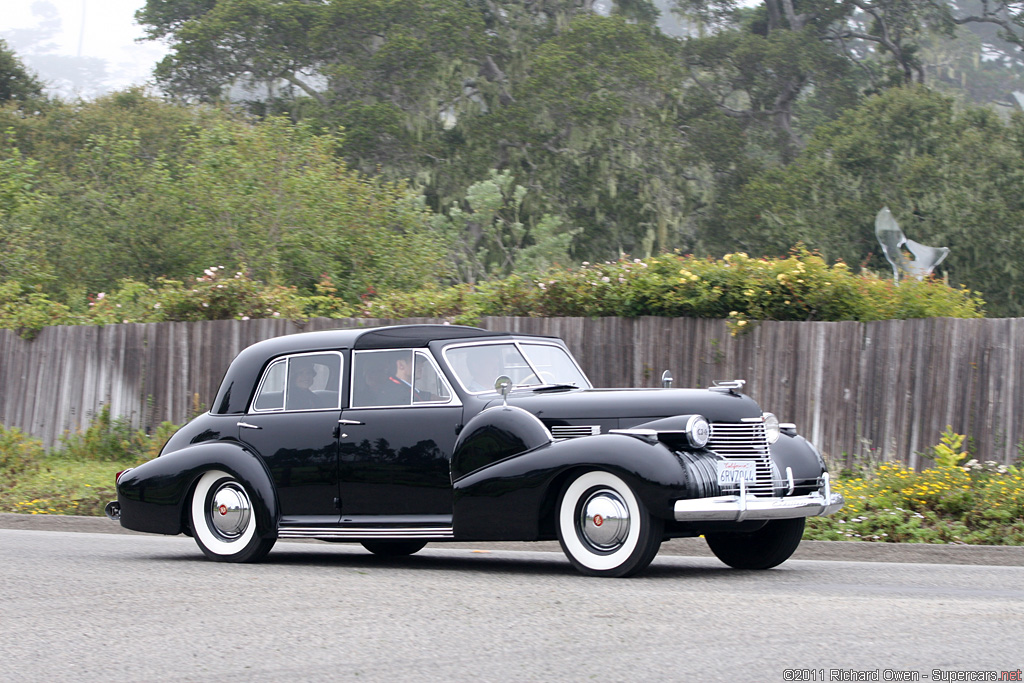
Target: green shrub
[[976, 503], [738, 288], [76, 477], [19, 454]]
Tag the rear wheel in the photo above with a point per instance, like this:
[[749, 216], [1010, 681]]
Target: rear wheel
[[769, 546], [604, 529], [223, 520], [394, 548]]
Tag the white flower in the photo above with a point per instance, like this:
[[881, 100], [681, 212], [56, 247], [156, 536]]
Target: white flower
[[245, 317], [206, 305], [606, 279]]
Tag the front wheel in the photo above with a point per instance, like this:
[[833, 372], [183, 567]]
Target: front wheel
[[224, 521], [394, 548], [604, 529], [769, 546]]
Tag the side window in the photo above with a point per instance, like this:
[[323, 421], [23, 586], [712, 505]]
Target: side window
[[271, 396], [308, 381], [397, 378], [428, 385], [382, 378]]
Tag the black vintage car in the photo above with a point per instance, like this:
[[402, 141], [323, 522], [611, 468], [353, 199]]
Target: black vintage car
[[398, 436]]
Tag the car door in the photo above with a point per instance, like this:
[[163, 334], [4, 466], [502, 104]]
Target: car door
[[292, 425], [396, 440]]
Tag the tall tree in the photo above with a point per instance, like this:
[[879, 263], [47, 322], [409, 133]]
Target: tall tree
[[16, 82], [951, 178]]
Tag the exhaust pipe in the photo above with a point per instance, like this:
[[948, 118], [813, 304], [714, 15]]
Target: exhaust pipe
[[113, 510]]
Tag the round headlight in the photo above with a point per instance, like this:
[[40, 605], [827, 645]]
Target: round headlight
[[771, 427], [698, 431]]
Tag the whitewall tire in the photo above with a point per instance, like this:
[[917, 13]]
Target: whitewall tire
[[223, 520], [604, 529]]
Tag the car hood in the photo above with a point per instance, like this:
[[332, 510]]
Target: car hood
[[633, 406]]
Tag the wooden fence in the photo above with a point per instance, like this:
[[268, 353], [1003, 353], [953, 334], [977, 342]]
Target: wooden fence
[[861, 391]]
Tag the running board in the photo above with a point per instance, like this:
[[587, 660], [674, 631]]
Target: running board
[[357, 533]]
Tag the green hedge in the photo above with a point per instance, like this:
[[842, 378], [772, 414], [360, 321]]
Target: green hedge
[[737, 288]]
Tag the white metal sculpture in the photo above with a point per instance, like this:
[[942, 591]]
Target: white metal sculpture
[[894, 242]]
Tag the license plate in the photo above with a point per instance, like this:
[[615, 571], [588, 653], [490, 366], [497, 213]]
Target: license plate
[[735, 471]]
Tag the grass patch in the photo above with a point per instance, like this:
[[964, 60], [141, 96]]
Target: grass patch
[[64, 486], [76, 477]]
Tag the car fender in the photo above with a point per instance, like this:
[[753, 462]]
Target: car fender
[[800, 455], [152, 496], [511, 497]]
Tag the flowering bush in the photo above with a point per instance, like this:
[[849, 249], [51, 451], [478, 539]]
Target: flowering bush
[[738, 288], [217, 294], [974, 503]]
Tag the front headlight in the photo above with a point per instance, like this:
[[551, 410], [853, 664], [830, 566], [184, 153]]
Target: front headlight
[[771, 427], [698, 431]]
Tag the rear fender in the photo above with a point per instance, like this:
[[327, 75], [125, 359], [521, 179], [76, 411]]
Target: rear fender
[[153, 495]]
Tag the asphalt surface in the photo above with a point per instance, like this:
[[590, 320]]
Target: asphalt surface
[[83, 606], [842, 551]]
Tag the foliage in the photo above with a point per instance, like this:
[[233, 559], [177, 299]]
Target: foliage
[[494, 239], [977, 504], [16, 82], [76, 477], [947, 452], [951, 177], [28, 310], [158, 192], [737, 287], [113, 439], [19, 454]]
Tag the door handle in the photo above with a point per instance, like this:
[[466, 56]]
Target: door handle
[[349, 422], [249, 426]]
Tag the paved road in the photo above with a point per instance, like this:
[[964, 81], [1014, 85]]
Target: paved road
[[100, 606]]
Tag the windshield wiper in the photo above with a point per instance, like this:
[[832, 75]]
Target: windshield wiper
[[551, 387]]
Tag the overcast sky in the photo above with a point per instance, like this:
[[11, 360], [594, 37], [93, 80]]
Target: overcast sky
[[80, 47]]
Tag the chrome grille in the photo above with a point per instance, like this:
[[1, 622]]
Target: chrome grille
[[745, 441], [574, 431]]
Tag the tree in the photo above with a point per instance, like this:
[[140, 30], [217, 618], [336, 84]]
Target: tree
[[16, 82], [492, 237], [951, 178]]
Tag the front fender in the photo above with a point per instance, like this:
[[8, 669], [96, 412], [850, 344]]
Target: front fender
[[509, 499], [802, 457], [152, 495]]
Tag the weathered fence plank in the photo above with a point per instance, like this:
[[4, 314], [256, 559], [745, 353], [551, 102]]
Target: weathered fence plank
[[860, 391]]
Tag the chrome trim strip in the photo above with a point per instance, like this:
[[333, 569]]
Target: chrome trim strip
[[364, 532], [574, 431], [749, 507]]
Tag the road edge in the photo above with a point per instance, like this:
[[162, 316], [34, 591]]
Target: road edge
[[843, 551]]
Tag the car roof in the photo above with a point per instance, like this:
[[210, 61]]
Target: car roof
[[237, 385]]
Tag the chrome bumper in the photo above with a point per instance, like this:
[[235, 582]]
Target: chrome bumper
[[745, 506]]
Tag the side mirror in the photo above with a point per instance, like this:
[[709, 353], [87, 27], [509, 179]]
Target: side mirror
[[503, 385], [666, 379]]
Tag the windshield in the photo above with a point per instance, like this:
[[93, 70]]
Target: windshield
[[528, 364]]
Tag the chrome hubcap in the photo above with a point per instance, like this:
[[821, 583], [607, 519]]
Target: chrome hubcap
[[604, 520], [229, 510]]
